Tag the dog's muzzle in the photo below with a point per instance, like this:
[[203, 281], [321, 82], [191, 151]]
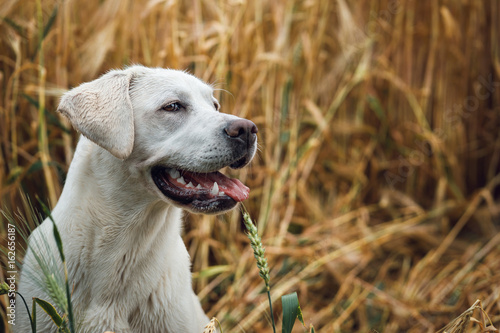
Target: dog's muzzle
[[211, 192], [243, 134]]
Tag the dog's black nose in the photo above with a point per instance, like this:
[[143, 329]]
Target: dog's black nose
[[242, 129]]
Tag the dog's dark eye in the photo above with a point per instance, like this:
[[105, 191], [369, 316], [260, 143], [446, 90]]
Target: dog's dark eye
[[172, 107], [217, 106]]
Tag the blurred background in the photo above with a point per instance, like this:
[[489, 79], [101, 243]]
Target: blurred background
[[376, 185]]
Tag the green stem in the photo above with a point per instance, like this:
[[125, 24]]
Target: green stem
[[27, 309], [271, 307], [68, 295]]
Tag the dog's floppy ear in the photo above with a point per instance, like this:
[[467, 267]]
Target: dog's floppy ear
[[101, 110]]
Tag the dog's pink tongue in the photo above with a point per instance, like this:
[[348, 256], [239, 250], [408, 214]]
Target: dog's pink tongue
[[235, 189], [230, 186]]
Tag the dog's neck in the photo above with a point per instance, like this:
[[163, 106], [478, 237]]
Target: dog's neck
[[114, 216], [110, 233]]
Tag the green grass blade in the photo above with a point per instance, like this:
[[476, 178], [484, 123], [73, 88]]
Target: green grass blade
[[376, 106], [45, 30], [50, 22], [70, 306], [50, 310], [4, 288], [290, 305], [33, 316], [299, 314], [51, 118], [57, 236], [14, 25]]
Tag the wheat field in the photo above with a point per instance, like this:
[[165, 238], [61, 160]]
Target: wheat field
[[376, 185]]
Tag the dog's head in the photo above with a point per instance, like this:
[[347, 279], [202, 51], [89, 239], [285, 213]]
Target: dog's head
[[167, 123]]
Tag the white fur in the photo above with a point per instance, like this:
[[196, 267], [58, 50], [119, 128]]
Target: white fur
[[128, 265]]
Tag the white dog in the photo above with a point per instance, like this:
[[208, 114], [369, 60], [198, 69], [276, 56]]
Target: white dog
[[153, 142]]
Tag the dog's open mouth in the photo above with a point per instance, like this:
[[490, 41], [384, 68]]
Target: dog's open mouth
[[201, 192]]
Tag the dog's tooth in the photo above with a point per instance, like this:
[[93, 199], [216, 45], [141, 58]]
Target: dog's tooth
[[190, 185], [215, 189], [221, 194], [181, 180], [174, 173], [199, 187]]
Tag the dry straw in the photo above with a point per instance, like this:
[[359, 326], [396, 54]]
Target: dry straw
[[376, 184], [211, 327]]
